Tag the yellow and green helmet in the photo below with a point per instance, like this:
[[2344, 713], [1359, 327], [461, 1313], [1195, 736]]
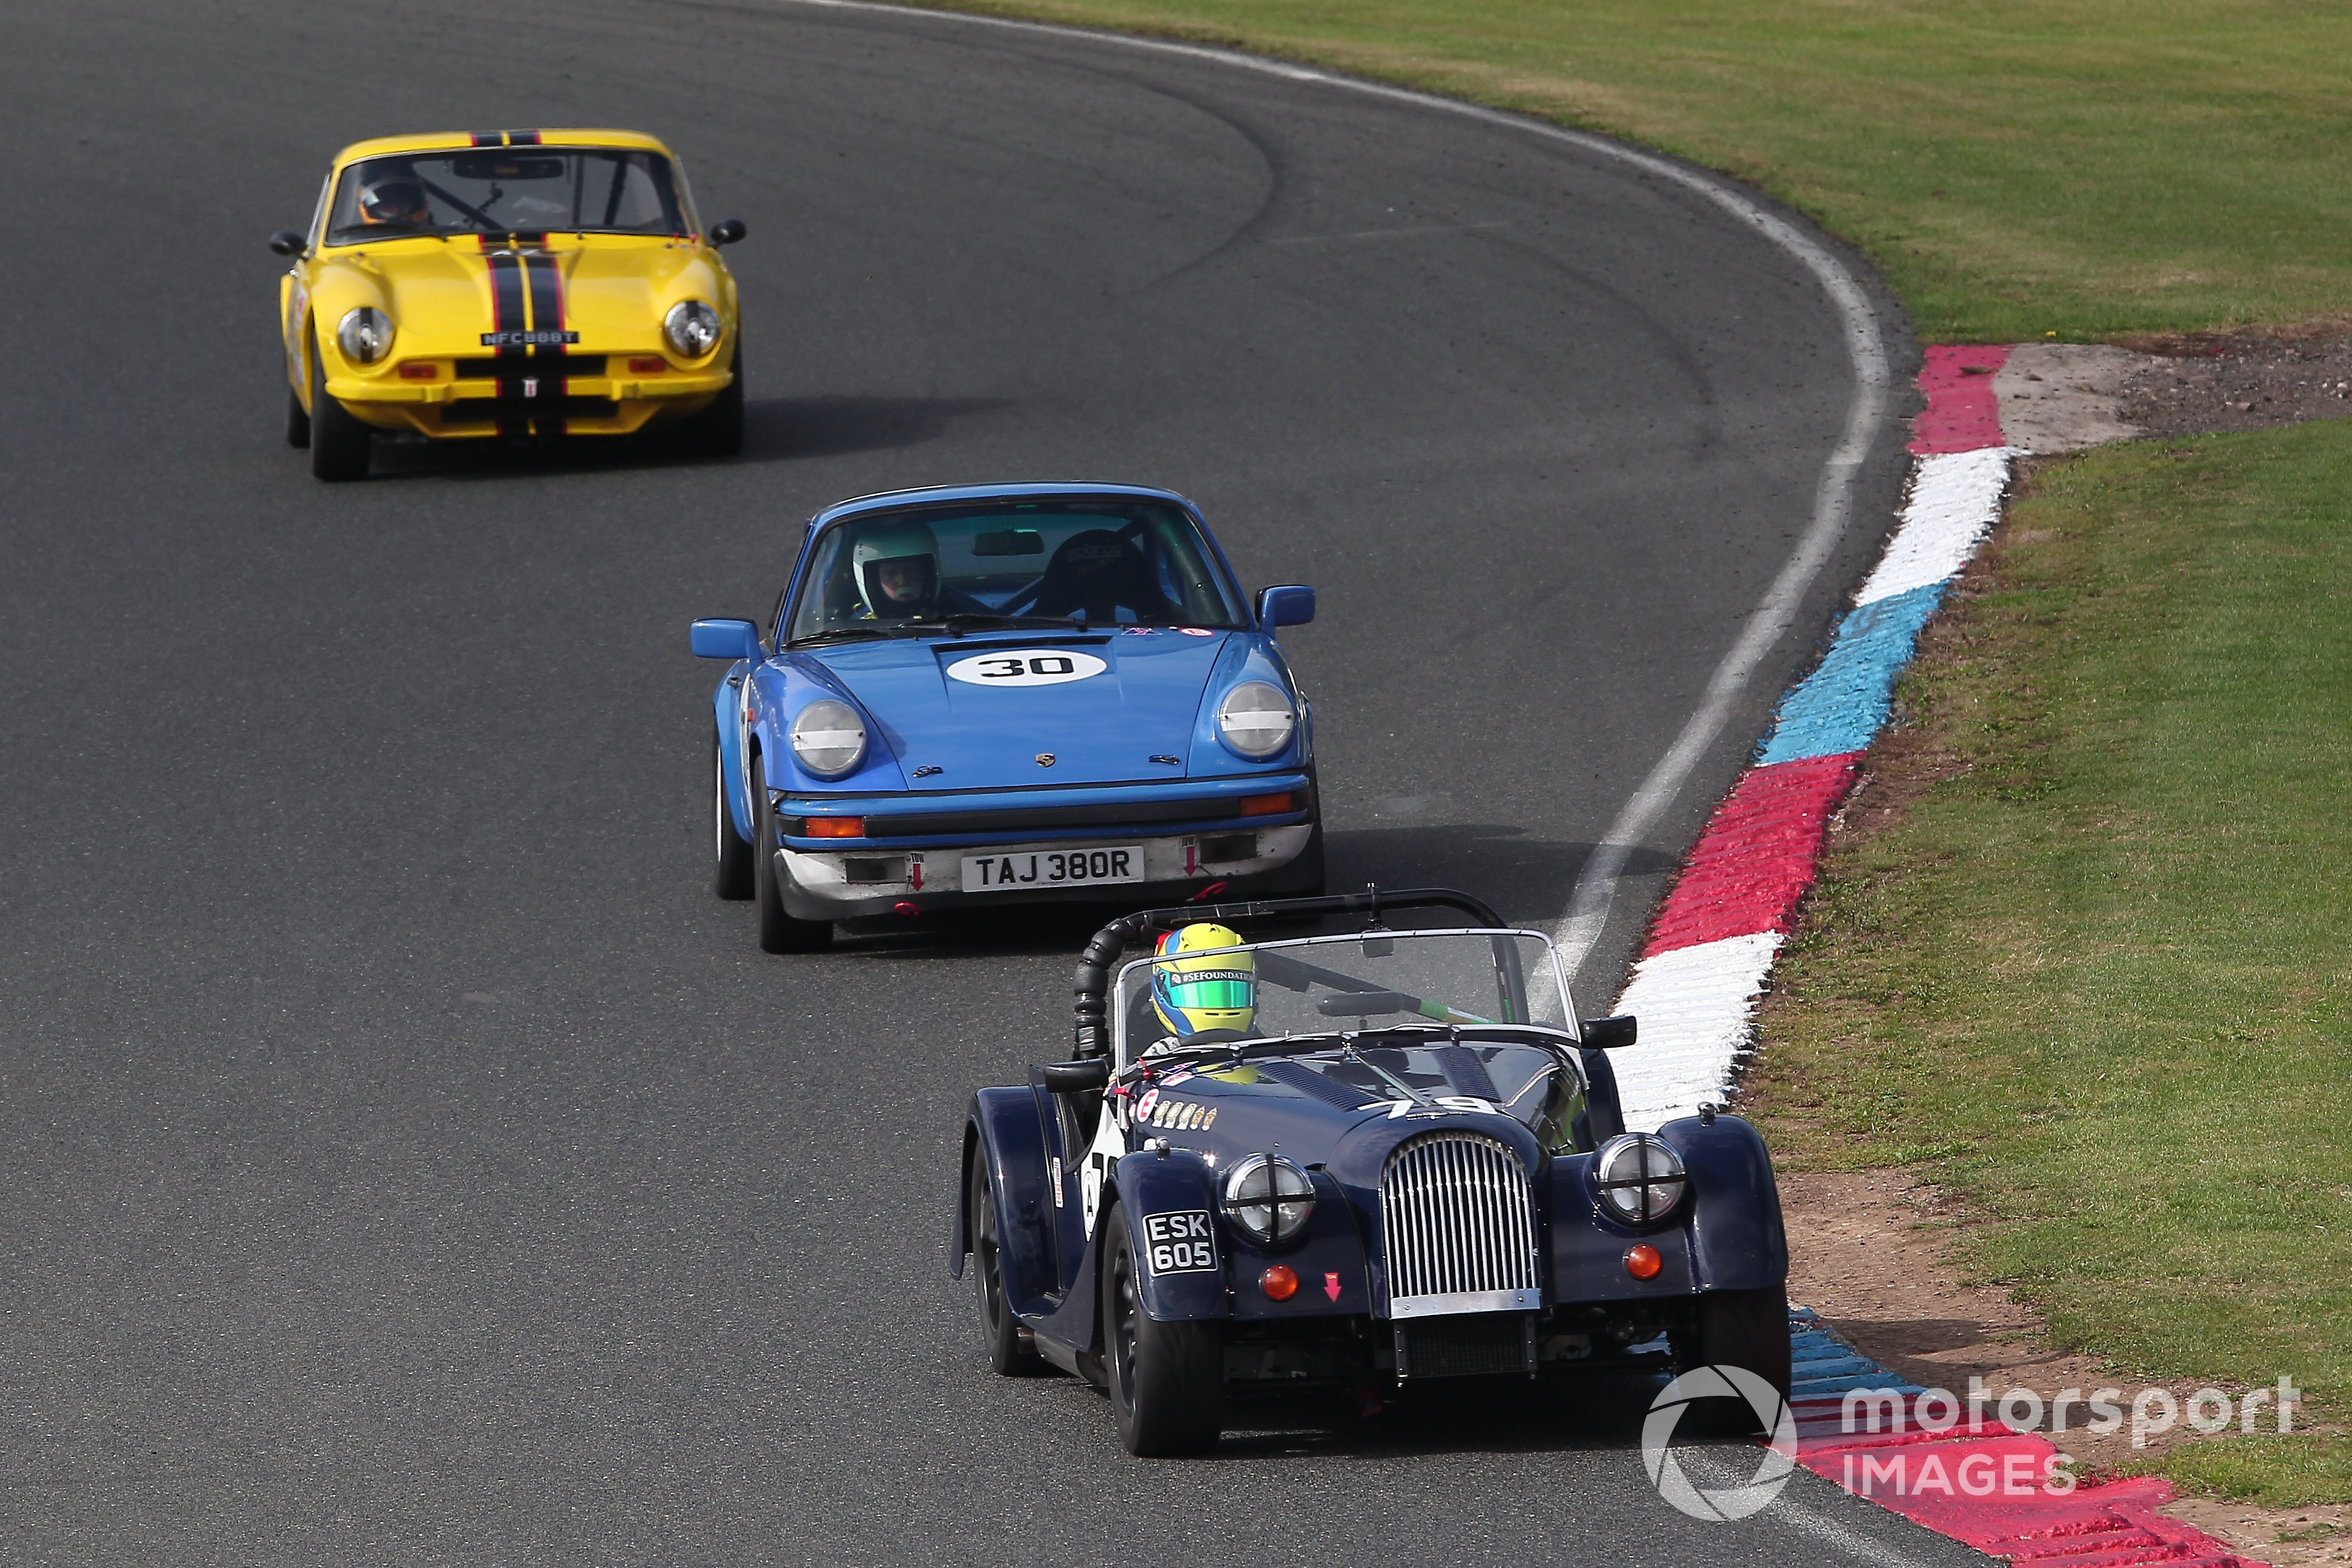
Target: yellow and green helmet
[[1197, 990]]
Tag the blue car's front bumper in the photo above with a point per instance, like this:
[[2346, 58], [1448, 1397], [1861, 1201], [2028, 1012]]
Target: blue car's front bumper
[[912, 849]]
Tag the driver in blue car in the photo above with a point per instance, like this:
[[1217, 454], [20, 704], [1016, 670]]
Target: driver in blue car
[[1204, 996], [896, 570]]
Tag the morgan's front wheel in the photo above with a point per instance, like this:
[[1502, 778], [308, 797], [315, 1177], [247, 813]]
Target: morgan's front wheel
[[731, 856], [779, 932], [1745, 1328], [298, 420], [339, 439], [1166, 1380], [1008, 1354]]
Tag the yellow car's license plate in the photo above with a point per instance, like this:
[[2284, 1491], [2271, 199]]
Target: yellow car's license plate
[[1053, 869]]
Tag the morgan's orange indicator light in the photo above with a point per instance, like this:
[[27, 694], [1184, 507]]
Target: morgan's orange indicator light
[[1642, 1262], [1280, 1282], [1272, 805], [420, 372], [836, 827], [642, 366]]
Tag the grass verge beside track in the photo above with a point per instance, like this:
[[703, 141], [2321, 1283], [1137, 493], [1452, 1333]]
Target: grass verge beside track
[[2091, 970], [2021, 168]]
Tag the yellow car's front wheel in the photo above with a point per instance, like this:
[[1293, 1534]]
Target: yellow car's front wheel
[[717, 431], [338, 440]]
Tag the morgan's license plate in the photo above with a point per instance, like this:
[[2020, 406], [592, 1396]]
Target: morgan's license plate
[[1053, 869]]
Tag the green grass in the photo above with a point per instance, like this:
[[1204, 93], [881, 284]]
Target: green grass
[[2096, 977], [2087, 168]]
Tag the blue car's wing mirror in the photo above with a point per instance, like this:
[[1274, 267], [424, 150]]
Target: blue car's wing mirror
[[1291, 604], [727, 639]]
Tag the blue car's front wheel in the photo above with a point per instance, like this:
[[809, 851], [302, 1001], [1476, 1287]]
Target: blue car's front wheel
[[779, 932], [731, 852]]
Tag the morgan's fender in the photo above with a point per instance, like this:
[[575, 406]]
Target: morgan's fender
[[1603, 1110], [1737, 1242], [1003, 1132], [1171, 1214], [1589, 1247]]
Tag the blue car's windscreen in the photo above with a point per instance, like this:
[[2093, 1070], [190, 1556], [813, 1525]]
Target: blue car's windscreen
[[1109, 564]]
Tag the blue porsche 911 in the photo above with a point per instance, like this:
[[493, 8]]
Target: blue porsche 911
[[1005, 694]]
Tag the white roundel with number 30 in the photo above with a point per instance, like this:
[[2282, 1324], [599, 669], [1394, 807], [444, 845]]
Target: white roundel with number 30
[[1026, 667]]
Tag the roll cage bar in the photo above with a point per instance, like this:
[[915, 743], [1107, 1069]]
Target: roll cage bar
[[1101, 956]]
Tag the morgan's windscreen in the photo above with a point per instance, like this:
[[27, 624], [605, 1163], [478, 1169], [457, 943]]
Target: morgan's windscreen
[[1111, 563], [508, 190], [1323, 985]]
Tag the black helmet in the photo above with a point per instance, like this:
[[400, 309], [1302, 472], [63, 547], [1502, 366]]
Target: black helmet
[[395, 200]]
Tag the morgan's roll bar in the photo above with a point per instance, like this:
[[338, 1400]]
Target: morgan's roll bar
[[1102, 954]]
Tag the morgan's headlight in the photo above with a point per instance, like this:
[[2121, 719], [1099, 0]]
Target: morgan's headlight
[[692, 328], [828, 737], [1639, 1178], [1257, 719], [1268, 1198], [365, 335]]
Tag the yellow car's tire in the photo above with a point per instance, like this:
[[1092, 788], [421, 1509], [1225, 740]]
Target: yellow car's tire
[[717, 430], [338, 441], [298, 421]]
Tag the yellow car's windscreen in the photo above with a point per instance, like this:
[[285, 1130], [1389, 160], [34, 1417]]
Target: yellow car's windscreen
[[510, 190]]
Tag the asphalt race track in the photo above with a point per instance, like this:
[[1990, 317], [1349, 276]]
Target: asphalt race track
[[406, 1160]]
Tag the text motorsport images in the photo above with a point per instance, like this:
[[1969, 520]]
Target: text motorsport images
[[1919, 1469]]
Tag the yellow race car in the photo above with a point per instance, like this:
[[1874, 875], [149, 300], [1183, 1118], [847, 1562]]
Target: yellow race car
[[514, 283]]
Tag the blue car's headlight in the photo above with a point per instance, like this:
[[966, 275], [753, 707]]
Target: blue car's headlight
[[1257, 719], [828, 737]]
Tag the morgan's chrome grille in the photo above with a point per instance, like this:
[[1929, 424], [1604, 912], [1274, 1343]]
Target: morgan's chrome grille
[[1457, 1227]]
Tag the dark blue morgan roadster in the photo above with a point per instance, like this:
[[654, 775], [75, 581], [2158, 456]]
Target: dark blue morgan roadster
[[1341, 1157]]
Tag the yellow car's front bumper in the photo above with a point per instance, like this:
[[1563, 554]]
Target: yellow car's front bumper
[[460, 407]]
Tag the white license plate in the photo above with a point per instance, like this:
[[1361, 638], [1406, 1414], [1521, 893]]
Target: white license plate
[[1053, 869]]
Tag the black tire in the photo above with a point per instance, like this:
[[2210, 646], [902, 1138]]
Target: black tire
[[298, 421], [1008, 1354], [717, 430], [1747, 1329], [730, 853], [1166, 1380], [338, 439], [779, 932]]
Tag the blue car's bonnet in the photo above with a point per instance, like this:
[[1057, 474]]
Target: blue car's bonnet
[[1105, 727]]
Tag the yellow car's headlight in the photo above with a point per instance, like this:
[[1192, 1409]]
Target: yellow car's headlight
[[365, 335], [692, 328]]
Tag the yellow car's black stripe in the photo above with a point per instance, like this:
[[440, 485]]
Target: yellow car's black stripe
[[505, 137], [508, 315], [546, 290]]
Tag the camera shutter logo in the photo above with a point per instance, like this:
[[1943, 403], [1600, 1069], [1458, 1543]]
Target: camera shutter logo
[[1721, 1503]]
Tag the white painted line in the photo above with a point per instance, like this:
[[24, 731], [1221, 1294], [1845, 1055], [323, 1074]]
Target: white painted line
[[1596, 886], [1797, 1516], [1696, 1007], [1955, 500]]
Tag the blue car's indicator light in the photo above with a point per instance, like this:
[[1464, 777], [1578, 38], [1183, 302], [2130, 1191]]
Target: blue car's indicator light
[[1273, 805]]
